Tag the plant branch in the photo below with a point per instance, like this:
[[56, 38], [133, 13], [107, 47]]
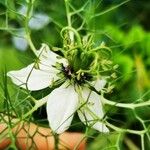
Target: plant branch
[[125, 105], [27, 30]]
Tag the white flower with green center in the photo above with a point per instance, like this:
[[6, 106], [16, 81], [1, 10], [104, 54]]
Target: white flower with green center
[[72, 96]]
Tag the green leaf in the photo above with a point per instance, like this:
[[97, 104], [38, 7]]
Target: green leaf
[[126, 65], [135, 35]]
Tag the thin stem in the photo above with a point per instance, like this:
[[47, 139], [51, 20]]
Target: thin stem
[[70, 29], [118, 129], [68, 13], [27, 30], [144, 126], [71, 34], [142, 142], [38, 104], [110, 9], [130, 144], [126, 105], [11, 135], [6, 21], [56, 139], [121, 130]]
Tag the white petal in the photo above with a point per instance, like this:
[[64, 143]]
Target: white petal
[[19, 41], [38, 21], [37, 79], [22, 10], [31, 78], [61, 107], [96, 111], [48, 58], [100, 84]]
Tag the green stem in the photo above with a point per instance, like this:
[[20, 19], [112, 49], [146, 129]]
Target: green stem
[[143, 124], [75, 32], [68, 13], [130, 144], [125, 105], [71, 34], [121, 130], [11, 135], [27, 30], [56, 139], [118, 129], [38, 104], [142, 142], [6, 14]]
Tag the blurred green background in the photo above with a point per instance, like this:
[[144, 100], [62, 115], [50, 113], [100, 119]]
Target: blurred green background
[[124, 28]]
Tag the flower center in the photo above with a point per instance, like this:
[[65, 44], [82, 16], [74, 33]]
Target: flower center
[[77, 78], [67, 71]]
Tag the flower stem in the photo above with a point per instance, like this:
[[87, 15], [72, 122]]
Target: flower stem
[[125, 105], [70, 29], [121, 130], [56, 140], [142, 142], [27, 30], [71, 33], [38, 104]]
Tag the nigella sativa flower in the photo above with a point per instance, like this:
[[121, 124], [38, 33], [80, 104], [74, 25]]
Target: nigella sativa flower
[[71, 96]]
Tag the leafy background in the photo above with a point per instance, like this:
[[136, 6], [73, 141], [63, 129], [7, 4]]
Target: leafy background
[[124, 28]]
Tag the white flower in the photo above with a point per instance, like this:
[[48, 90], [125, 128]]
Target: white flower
[[38, 21], [63, 101], [19, 40]]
